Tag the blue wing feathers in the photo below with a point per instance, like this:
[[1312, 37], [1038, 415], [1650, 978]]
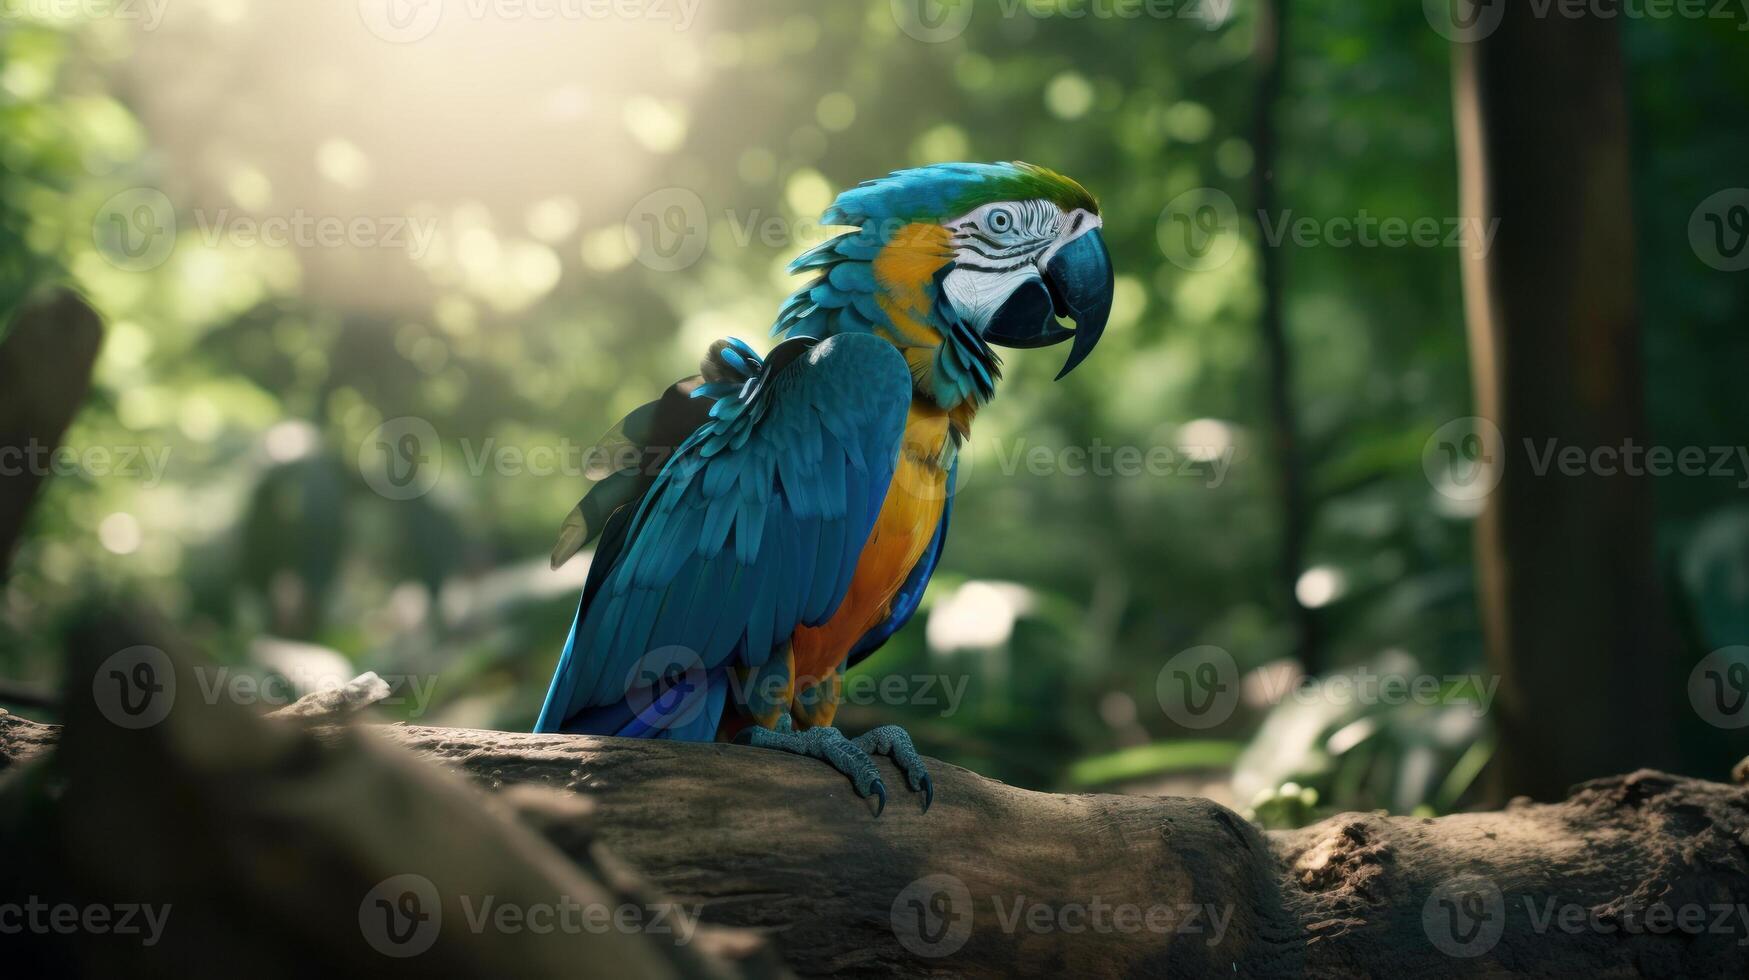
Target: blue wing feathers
[[750, 525], [752, 528], [830, 569], [789, 598], [760, 618], [813, 610]]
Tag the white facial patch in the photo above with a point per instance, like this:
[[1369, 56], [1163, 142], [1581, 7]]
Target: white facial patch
[[977, 294], [1000, 246]]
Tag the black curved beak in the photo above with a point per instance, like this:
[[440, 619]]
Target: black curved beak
[[1077, 285]]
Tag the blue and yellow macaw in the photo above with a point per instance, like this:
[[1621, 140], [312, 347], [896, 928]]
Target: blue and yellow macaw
[[772, 521]]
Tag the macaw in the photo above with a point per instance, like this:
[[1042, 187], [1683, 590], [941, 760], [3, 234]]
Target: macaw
[[771, 521]]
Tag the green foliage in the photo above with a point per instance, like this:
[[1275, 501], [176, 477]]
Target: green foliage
[[262, 372], [1327, 748], [1145, 760]]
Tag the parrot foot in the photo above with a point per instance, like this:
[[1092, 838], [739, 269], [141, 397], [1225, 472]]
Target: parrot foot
[[850, 757], [895, 743]]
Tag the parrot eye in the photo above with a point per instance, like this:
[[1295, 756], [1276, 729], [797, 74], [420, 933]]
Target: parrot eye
[[1001, 220]]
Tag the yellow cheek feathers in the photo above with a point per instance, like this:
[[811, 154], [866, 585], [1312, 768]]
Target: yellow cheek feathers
[[905, 269]]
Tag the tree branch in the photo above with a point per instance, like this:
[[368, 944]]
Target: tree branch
[[1018, 882]]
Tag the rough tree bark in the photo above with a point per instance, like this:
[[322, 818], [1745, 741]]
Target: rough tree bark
[[780, 845]]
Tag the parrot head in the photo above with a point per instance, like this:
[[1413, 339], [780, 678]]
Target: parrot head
[[952, 258]]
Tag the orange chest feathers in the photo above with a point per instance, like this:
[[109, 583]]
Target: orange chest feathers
[[902, 532]]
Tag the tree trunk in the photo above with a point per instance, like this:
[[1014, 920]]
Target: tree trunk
[[1284, 437], [1571, 608]]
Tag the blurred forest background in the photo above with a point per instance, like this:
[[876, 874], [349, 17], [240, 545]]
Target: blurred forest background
[[515, 309]]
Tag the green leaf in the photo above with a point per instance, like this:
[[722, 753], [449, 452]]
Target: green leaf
[[1150, 760]]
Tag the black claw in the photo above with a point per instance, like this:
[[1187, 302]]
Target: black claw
[[928, 792], [879, 790]]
